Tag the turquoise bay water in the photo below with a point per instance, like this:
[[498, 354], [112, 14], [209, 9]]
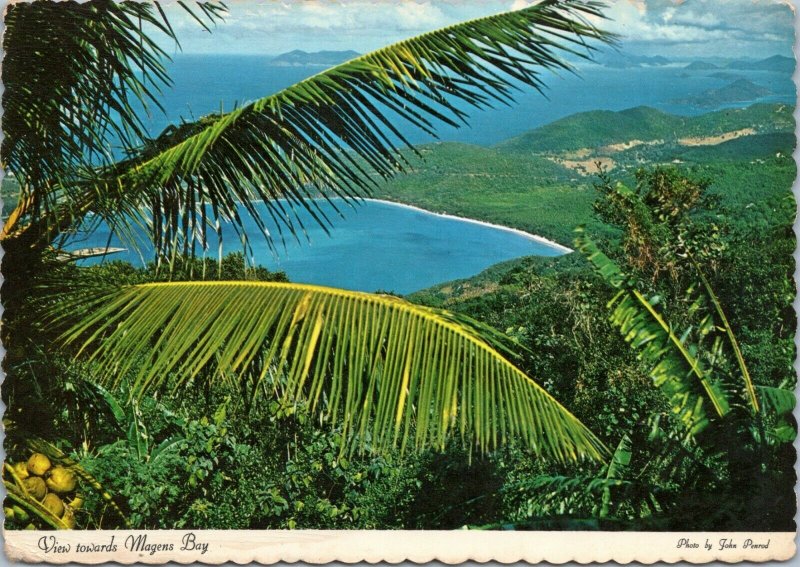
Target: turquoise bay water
[[395, 249], [377, 246]]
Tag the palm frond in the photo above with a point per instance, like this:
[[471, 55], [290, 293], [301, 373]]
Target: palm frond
[[383, 369], [683, 378], [334, 134], [77, 78]]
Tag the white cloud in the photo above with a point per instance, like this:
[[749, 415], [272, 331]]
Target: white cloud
[[699, 21], [314, 21], [520, 4], [273, 26]]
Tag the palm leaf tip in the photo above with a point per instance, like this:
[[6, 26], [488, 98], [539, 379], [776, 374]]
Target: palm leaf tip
[[379, 368]]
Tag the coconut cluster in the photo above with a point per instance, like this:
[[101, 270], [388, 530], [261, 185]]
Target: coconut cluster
[[52, 486]]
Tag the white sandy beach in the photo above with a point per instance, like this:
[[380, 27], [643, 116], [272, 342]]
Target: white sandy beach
[[528, 235]]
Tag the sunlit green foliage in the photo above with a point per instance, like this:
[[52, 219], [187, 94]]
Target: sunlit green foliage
[[381, 371], [699, 259], [737, 466]]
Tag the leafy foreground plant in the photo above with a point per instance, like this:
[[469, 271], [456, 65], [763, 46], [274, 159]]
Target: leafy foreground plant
[[680, 463], [729, 429], [378, 366], [697, 360]]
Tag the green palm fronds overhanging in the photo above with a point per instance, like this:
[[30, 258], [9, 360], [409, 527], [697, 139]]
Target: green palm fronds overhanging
[[381, 368], [73, 75], [334, 134]]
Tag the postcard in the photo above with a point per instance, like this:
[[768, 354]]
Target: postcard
[[361, 280]]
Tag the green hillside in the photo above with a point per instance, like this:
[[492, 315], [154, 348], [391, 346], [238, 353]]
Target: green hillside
[[530, 193], [762, 117], [548, 190], [761, 146], [740, 90], [602, 127], [594, 128]]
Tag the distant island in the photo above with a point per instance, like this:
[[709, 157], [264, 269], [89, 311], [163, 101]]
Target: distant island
[[701, 66], [740, 90], [300, 58], [777, 63], [726, 76]]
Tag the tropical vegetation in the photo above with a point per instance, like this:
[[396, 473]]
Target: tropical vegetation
[[639, 383]]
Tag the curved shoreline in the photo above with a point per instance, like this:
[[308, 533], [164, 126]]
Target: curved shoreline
[[528, 235]]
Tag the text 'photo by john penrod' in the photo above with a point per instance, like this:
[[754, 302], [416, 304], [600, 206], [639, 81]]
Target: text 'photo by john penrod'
[[502, 265]]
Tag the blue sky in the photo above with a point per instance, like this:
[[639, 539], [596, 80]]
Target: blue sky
[[673, 28]]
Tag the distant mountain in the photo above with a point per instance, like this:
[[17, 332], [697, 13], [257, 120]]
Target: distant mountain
[[740, 90], [595, 128], [298, 58], [643, 124], [776, 63], [701, 66]]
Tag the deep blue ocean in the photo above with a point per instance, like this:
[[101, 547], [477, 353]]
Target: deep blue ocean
[[207, 83], [383, 247]]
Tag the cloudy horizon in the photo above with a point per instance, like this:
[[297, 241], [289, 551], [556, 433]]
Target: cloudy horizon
[[671, 28]]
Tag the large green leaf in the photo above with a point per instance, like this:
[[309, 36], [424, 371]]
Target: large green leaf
[[621, 459], [680, 374], [778, 405], [334, 134], [777, 401], [385, 370], [617, 470]]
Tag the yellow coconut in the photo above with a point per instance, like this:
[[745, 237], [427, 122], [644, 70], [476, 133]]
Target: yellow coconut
[[35, 487], [21, 470], [38, 464], [9, 512], [53, 503], [61, 480]]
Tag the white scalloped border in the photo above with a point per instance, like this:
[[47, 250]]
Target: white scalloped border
[[317, 546]]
